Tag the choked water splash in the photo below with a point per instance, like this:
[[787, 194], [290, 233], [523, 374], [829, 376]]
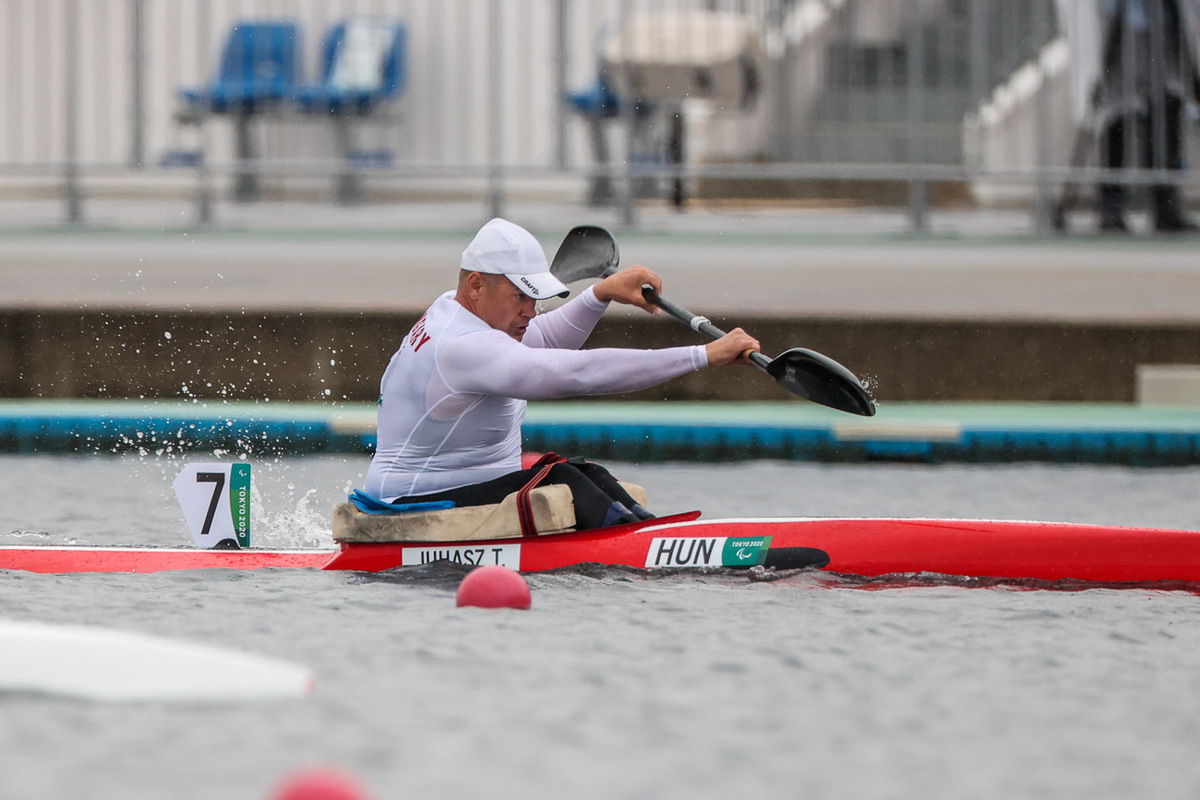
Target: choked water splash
[[304, 525], [291, 498]]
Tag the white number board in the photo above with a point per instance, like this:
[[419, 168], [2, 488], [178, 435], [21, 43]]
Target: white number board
[[215, 499]]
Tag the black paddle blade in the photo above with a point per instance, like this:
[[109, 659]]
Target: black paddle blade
[[586, 252], [822, 380]]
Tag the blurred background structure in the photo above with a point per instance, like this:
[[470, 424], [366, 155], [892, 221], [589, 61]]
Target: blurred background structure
[[912, 104], [246, 199]]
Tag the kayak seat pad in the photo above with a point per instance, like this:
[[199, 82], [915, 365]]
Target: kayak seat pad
[[553, 512]]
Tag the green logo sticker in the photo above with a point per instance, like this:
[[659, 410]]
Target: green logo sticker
[[745, 552], [239, 502]]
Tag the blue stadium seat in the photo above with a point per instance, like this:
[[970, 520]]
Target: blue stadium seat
[[258, 73], [598, 100], [362, 66], [599, 105], [259, 69]]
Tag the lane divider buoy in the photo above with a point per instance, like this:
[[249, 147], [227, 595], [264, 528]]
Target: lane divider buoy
[[319, 783], [494, 586]]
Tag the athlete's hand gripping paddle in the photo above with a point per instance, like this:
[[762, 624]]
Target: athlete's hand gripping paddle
[[589, 251]]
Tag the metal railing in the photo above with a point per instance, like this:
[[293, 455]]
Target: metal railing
[[981, 94]]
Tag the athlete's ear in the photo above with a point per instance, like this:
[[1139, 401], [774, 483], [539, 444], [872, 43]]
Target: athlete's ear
[[475, 284]]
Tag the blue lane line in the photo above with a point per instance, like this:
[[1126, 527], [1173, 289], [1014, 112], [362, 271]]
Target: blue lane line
[[716, 442], [1085, 446], [712, 441], [83, 434]]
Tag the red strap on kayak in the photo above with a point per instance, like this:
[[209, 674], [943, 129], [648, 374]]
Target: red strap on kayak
[[524, 508]]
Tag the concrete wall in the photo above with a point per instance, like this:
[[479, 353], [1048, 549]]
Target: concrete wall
[[340, 357]]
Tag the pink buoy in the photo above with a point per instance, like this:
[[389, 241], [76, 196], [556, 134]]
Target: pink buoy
[[319, 783], [494, 587]]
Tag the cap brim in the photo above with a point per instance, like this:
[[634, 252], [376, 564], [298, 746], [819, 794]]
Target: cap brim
[[540, 285]]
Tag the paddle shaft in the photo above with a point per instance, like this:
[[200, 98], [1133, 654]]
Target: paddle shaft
[[697, 323], [804, 373]]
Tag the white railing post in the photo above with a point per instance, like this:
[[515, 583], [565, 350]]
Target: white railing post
[[1042, 214], [627, 191], [918, 202], [71, 68], [204, 192], [495, 190], [137, 79]]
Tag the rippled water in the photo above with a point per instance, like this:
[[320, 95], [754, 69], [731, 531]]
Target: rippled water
[[620, 683]]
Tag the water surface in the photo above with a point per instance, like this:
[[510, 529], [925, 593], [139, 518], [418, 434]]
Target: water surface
[[621, 683]]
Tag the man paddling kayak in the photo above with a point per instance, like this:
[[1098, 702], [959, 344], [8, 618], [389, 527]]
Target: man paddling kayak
[[453, 396]]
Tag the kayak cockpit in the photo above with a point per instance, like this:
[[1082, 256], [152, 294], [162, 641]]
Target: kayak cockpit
[[551, 505]]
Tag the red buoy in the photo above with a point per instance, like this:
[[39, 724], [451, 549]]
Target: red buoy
[[319, 783], [494, 587]]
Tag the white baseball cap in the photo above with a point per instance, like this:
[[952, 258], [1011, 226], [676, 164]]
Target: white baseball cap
[[502, 248]]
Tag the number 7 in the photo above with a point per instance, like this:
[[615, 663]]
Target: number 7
[[219, 479]]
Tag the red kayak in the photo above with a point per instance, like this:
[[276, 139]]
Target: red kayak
[[1049, 551]]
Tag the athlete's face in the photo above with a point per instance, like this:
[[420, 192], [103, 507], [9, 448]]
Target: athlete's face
[[502, 305]]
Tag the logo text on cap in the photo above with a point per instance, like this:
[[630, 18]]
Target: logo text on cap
[[532, 288]]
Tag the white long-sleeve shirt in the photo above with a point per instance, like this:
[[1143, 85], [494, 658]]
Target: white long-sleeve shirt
[[453, 397]]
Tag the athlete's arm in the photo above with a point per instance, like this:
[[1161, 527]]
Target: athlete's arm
[[569, 325], [491, 362]]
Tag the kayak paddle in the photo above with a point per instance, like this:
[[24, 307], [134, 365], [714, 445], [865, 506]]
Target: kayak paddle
[[590, 252]]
